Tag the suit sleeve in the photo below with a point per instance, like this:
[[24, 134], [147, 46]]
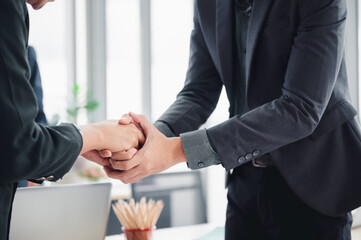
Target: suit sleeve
[[313, 67], [28, 150], [196, 146], [35, 82], [201, 91]]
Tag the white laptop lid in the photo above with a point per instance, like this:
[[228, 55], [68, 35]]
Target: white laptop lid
[[63, 212]]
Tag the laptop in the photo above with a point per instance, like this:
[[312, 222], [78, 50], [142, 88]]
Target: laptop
[[62, 212]]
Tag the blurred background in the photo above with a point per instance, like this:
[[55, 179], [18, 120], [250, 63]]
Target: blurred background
[[99, 59]]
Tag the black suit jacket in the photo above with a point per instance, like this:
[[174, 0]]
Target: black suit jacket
[[35, 82], [298, 94], [28, 150]]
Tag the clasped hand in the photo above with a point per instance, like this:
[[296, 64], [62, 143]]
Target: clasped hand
[[157, 154]]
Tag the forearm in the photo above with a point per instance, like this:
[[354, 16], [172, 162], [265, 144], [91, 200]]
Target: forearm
[[91, 138]]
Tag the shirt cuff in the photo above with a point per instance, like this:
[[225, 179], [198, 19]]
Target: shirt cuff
[[164, 128], [198, 150]]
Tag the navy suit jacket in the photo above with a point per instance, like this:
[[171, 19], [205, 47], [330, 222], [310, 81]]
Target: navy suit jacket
[[297, 91]]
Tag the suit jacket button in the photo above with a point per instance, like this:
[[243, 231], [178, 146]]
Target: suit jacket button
[[241, 159], [256, 153], [200, 164], [249, 156]]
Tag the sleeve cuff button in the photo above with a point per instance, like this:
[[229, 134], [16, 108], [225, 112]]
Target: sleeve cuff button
[[256, 153], [249, 156], [241, 160]]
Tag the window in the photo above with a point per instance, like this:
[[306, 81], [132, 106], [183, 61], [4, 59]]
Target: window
[[170, 50], [123, 57], [49, 41]]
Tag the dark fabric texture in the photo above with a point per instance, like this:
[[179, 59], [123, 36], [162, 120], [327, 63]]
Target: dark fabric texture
[[261, 206], [297, 93], [29, 150], [35, 82], [242, 14]]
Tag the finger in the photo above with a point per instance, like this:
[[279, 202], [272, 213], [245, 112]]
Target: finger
[[143, 121], [135, 178], [94, 156], [136, 124], [105, 153], [123, 176], [113, 173], [124, 155], [125, 164], [141, 138], [126, 119]]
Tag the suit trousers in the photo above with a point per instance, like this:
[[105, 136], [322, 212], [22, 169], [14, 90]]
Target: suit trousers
[[261, 206]]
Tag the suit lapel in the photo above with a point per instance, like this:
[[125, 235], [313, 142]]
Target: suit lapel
[[224, 39], [259, 13]]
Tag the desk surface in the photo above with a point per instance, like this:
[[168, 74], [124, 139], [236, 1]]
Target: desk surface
[[196, 231], [176, 233]]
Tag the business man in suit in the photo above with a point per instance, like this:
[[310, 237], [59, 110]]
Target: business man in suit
[[292, 140], [30, 150]]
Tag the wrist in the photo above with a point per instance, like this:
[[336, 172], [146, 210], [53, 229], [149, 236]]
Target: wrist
[[91, 138], [178, 152]]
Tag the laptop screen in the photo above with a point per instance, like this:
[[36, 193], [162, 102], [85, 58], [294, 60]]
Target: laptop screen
[[61, 212]]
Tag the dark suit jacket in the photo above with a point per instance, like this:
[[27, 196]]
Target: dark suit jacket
[[28, 150], [298, 94], [35, 82]]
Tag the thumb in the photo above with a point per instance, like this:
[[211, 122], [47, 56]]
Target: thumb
[[126, 119], [142, 121]]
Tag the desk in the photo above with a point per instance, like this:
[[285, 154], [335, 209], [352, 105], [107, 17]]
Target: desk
[[196, 231], [176, 233]]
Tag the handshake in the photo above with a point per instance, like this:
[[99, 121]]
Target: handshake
[[131, 148]]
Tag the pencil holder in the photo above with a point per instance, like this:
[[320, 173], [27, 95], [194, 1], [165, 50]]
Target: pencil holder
[[137, 234], [138, 219]]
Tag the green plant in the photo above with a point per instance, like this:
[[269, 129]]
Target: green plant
[[89, 103]]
